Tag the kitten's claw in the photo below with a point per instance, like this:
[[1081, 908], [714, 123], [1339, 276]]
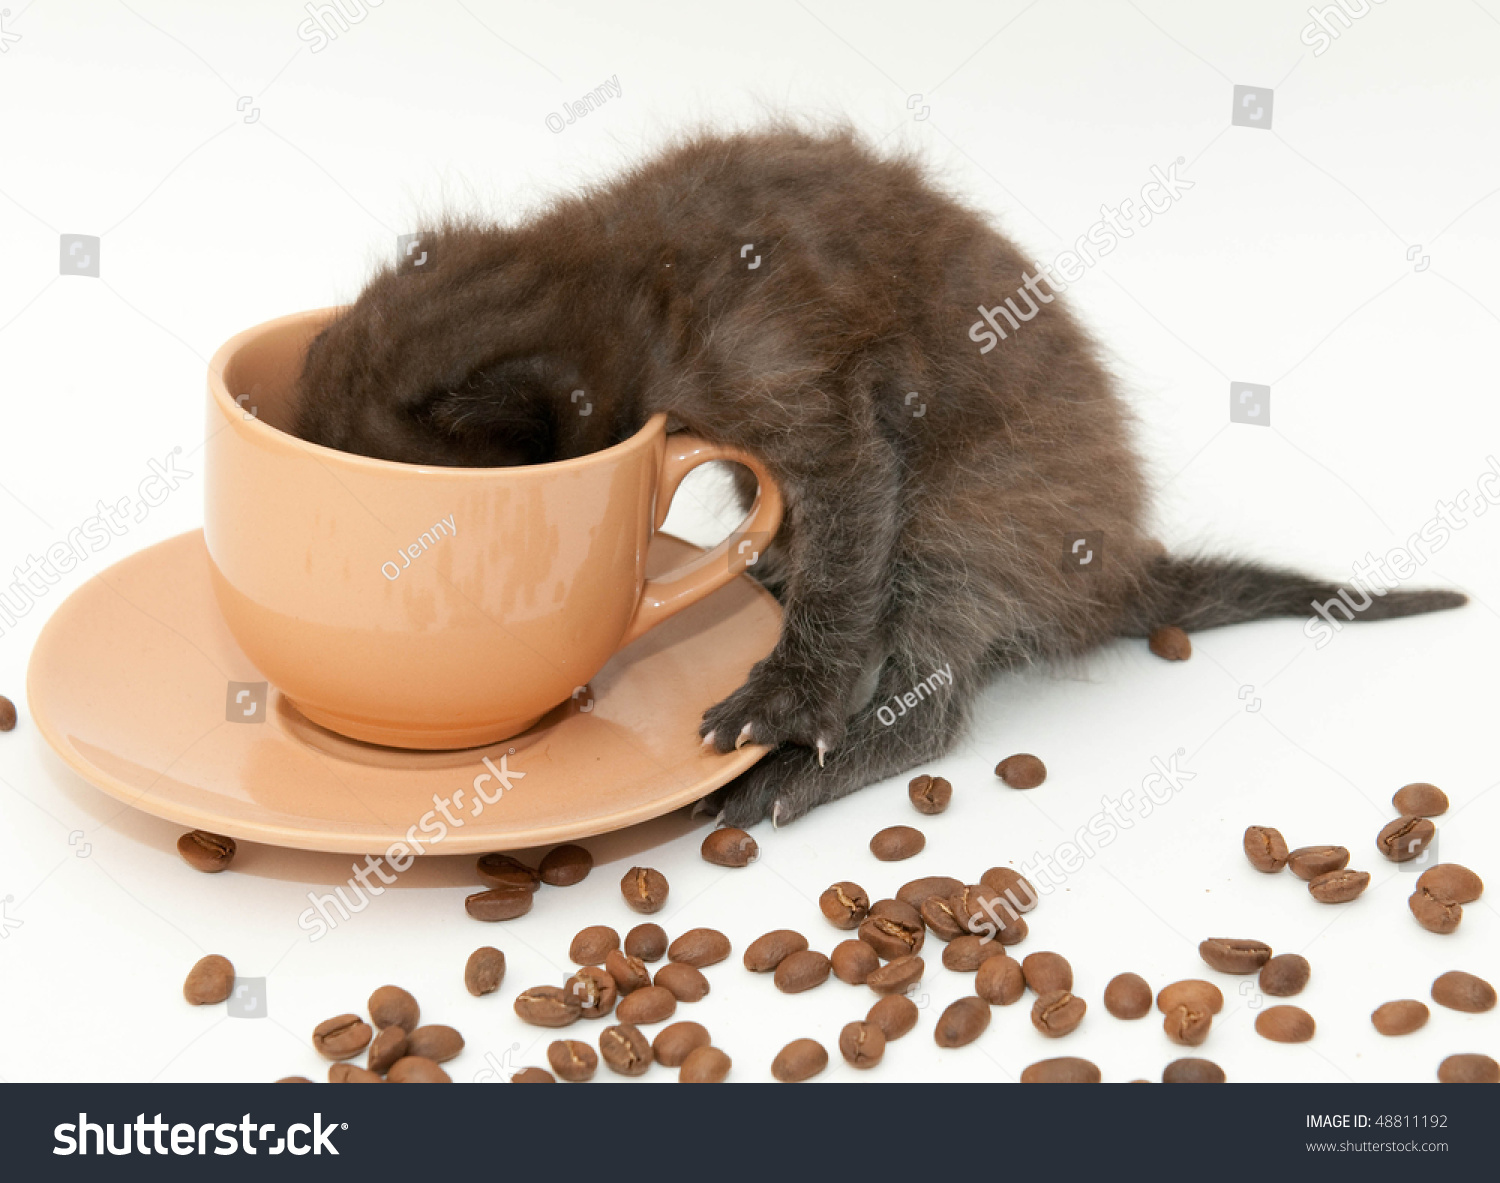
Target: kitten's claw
[[744, 736], [822, 747], [779, 817], [708, 740], [701, 808]]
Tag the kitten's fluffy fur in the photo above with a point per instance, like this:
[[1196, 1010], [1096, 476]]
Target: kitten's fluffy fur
[[921, 534]]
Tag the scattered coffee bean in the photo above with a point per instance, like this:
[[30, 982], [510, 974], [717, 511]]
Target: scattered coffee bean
[[1022, 771], [625, 1050], [1469, 1068], [1285, 1024], [629, 973], [484, 971], [341, 1037], [963, 1022], [435, 1042], [799, 1060], [563, 866], [1401, 1017], [386, 1048], [595, 991], [1000, 980], [929, 794], [1265, 848], [1405, 838], [937, 915], [649, 1004], [294, 1080], [801, 971], [391, 1006], [209, 853], [1308, 862], [1046, 972], [704, 1065], [895, 1015], [893, 929], [968, 952], [895, 843], [898, 976], [1057, 1013], [533, 1076], [1434, 913], [645, 889], [503, 871], [1170, 643], [573, 1060], [548, 1006], [1339, 887], [646, 941], [593, 944], [919, 891], [1194, 993], [1192, 1071], [344, 1073], [1187, 1024], [1128, 996], [499, 903], [1458, 990], [1234, 955], [845, 904], [1062, 1070], [675, 1043], [209, 981], [1420, 800], [1285, 974], [730, 847], [1450, 881], [686, 982], [7, 714], [700, 947], [862, 1044], [417, 1070], [767, 952], [854, 961], [1014, 886]]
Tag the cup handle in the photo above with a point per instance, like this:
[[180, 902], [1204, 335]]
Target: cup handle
[[671, 593]]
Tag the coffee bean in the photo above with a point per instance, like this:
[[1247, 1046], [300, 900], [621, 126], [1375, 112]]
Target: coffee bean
[[1285, 1024], [572, 1060], [209, 981], [341, 1037], [1192, 1071], [1023, 771], [499, 903], [209, 853], [969, 952], [533, 1076], [898, 976], [435, 1042], [1434, 913], [862, 1044], [484, 971], [895, 843], [962, 1022], [700, 947], [704, 1065], [937, 914], [593, 944], [929, 794], [686, 982], [675, 1043], [1234, 955], [1469, 1068], [1187, 1024], [1265, 848], [417, 1070], [767, 952], [730, 847], [1420, 800], [918, 891], [503, 871], [893, 929], [845, 904], [895, 1015], [1062, 1070], [1405, 838], [1458, 990], [386, 1048], [1285, 975], [548, 1006], [563, 866], [391, 1006], [295, 1080], [645, 889], [1000, 980], [1046, 972], [345, 1073], [1193, 993], [1401, 1017], [987, 912], [1308, 862], [1450, 881], [595, 991], [629, 973], [1170, 643], [1339, 887], [649, 1004], [801, 971], [799, 1060], [625, 1050], [854, 962], [1128, 996], [646, 941], [1014, 886], [7, 714], [1057, 1013]]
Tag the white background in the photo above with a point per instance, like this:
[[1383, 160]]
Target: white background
[[1286, 263]]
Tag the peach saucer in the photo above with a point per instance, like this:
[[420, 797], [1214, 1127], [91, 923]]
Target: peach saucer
[[129, 684]]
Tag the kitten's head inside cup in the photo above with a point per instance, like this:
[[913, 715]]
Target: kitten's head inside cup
[[432, 607]]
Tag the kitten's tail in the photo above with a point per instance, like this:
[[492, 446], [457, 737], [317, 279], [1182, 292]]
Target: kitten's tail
[[1200, 593]]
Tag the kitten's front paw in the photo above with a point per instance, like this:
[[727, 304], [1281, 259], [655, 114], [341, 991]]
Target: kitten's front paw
[[777, 704], [782, 787]]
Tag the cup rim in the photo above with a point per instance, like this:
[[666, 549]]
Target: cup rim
[[265, 436]]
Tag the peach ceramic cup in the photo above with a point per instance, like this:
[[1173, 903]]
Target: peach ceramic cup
[[426, 607]]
